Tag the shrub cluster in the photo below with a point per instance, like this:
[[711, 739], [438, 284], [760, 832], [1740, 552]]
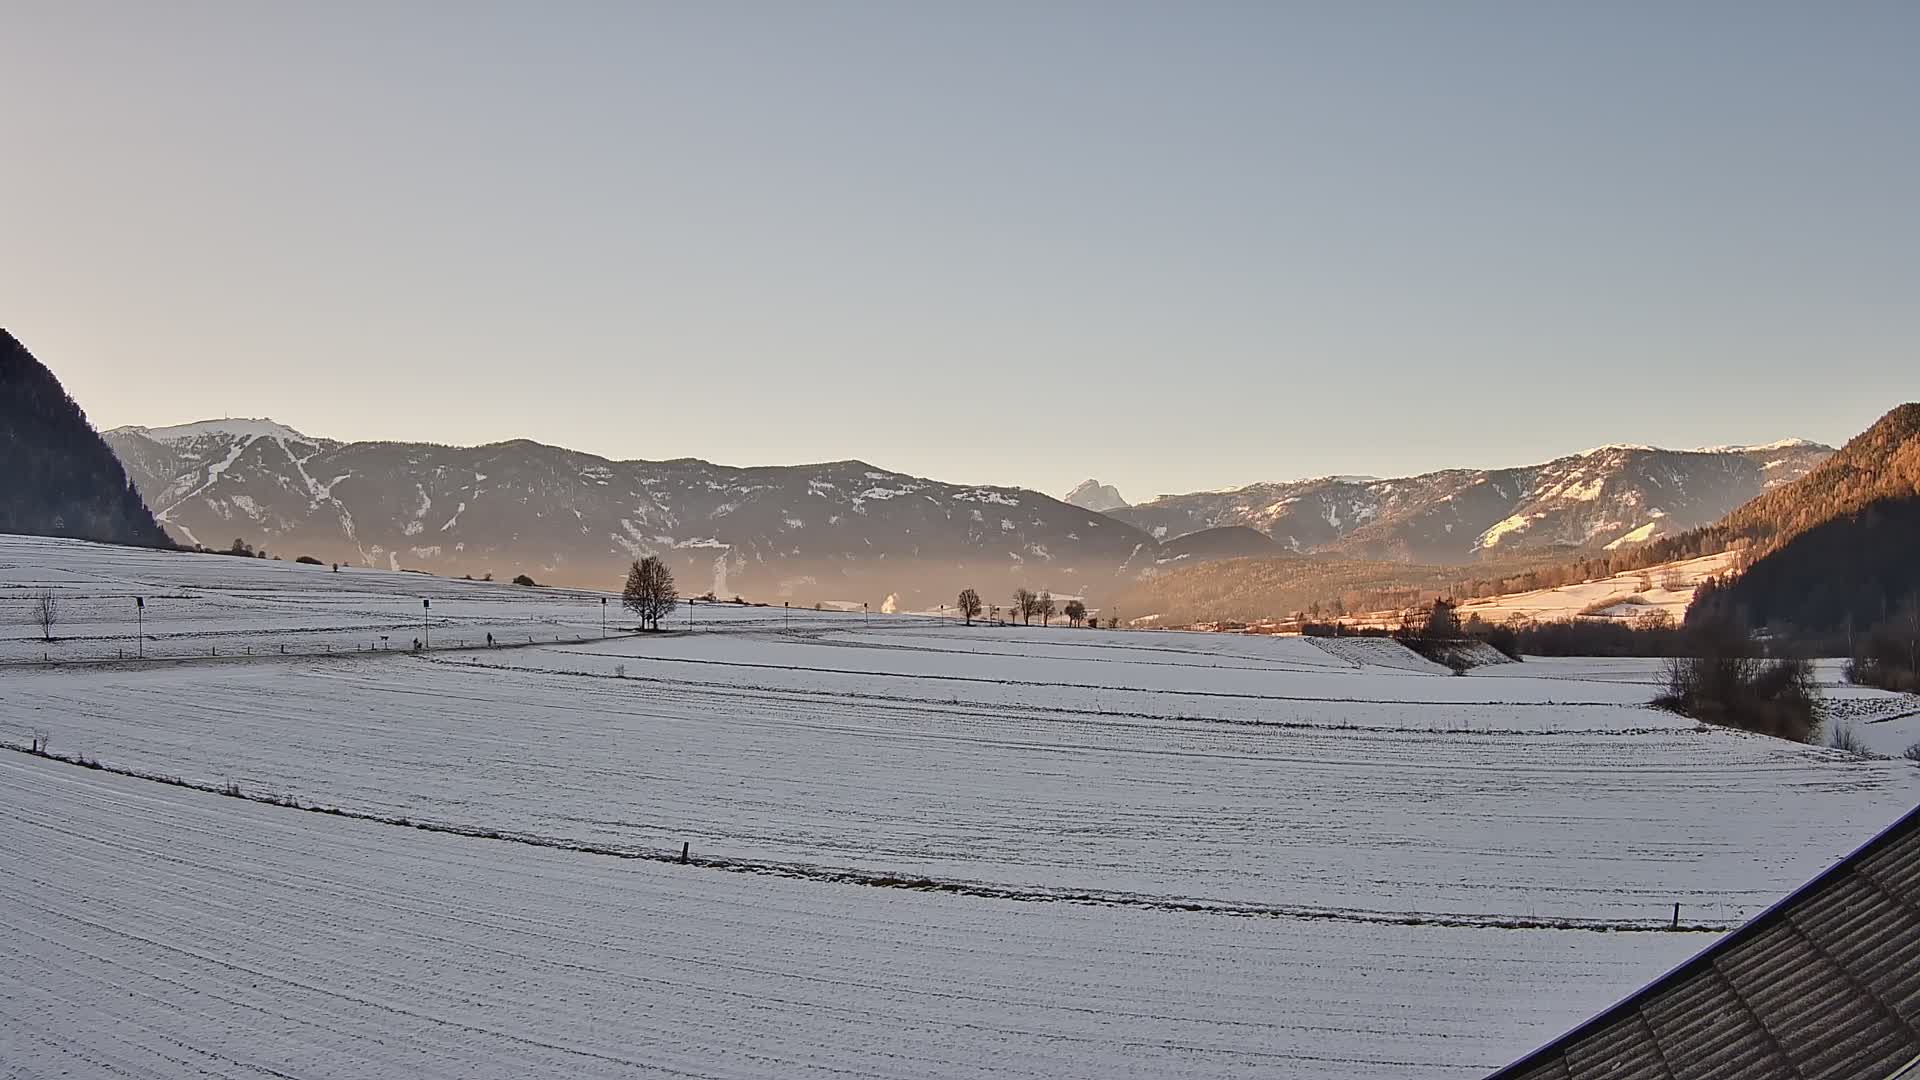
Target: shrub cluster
[[1889, 656], [1727, 683]]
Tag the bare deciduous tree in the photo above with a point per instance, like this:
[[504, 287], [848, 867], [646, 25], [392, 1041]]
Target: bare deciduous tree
[[650, 593], [1024, 602], [1043, 607], [45, 614], [969, 605]]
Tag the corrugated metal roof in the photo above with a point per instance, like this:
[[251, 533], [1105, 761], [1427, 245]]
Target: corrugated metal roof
[[1824, 984]]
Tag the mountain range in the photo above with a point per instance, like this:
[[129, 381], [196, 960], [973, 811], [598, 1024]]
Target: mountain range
[[850, 531], [1610, 497], [842, 531], [1828, 550]]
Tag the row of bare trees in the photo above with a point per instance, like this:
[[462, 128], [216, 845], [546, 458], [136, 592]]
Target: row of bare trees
[[1027, 605]]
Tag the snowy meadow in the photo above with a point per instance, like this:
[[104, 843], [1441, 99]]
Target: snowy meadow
[[773, 843]]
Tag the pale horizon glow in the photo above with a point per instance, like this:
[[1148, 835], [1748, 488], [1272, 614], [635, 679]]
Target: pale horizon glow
[[1171, 248]]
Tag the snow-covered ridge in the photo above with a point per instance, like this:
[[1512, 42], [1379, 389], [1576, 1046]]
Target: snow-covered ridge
[[236, 427], [1612, 447], [1783, 444]]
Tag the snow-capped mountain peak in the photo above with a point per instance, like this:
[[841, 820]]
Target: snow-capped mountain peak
[[1760, 448], [230, 427], [1096, 496]]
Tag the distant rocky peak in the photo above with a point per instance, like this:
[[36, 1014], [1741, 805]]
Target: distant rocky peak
[[1093, 495]]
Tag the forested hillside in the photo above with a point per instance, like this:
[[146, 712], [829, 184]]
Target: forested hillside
[[57, 476], [1858, 570], [1838, 550], [1880, 463]]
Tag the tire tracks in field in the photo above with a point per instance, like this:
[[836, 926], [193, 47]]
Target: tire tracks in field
[[891, 880], [1043, 712], [1225, 694]]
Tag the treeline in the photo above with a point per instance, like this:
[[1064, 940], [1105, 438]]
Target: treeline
[[1653, 635], [61, 478]]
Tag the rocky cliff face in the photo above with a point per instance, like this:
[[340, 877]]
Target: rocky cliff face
[[1094, 495]]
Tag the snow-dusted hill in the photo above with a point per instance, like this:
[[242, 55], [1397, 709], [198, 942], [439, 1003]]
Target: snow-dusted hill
[[837, 531], [1608, 497]]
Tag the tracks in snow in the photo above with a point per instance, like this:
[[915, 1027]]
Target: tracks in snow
[[889, 880]]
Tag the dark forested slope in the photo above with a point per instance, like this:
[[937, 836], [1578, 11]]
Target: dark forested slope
[[1838, 548], [57, 476]]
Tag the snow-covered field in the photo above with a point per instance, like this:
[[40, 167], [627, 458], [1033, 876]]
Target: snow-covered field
[[206, 605], [1666, 588], [155, 932], [1164, 854]]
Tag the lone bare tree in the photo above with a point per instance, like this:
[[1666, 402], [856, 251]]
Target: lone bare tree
[[1043, 607], [1024, 604], [1076, 612], [969, 605], [45, 614], [650, 593]]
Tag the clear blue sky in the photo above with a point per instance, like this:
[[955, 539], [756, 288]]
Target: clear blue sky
[[1172, 246]]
